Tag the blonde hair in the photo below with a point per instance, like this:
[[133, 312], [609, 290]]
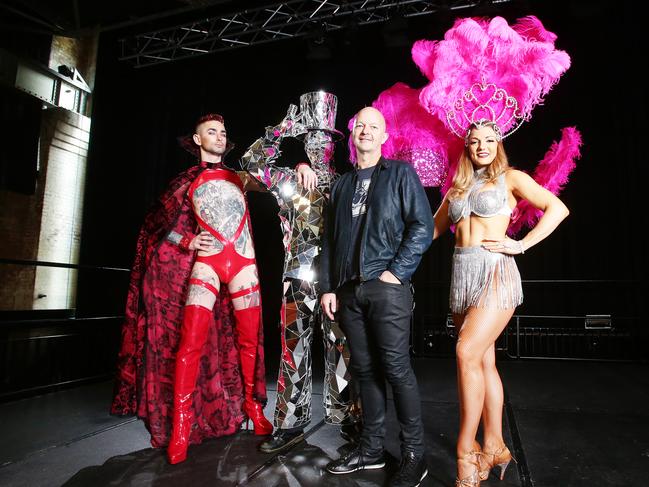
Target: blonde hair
[[463, 178]]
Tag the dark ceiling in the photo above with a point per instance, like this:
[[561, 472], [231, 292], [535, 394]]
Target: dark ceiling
[[76, 17]]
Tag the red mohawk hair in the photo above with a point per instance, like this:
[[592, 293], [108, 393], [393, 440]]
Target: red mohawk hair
[[187, 141], [208, 118]]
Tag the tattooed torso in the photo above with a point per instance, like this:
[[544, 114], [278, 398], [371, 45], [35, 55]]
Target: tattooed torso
[[222, 206]]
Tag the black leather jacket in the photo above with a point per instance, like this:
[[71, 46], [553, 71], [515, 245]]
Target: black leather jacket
[[398, 225]]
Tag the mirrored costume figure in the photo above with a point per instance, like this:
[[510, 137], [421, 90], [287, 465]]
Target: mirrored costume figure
[[301, 217]]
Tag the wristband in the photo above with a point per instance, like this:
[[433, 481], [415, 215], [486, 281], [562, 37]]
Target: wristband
[[184, 242]]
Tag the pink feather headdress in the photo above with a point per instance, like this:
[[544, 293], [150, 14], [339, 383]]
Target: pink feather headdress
[[485, 70]]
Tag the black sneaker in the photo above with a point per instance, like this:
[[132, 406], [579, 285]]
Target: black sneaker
[[351, 432], [355, 460], [281, 440], [412, 471]]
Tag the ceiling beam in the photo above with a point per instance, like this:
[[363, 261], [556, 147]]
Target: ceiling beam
[[271, 23]]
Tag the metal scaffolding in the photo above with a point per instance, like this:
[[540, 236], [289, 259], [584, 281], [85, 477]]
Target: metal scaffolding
[[273, 22]]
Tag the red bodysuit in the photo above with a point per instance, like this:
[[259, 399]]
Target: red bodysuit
[[220, 208]]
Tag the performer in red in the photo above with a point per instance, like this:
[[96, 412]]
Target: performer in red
[[195, 370]]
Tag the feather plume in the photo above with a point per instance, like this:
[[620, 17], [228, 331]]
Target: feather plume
[[552, 173], [520, 59], [415, 136]]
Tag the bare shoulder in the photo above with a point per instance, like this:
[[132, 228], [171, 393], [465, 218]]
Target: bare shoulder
[[515, 178]]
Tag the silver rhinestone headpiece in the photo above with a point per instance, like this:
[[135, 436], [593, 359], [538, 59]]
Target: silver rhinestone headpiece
[[483, 103]]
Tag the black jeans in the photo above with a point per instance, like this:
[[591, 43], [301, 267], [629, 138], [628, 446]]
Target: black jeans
[[375, 317]]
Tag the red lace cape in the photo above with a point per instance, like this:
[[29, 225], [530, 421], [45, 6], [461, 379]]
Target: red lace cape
[[151, 332]]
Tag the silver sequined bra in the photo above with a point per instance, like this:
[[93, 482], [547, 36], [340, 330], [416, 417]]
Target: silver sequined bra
[[487, 203]]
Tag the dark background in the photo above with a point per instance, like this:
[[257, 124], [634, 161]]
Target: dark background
[[138, 113]]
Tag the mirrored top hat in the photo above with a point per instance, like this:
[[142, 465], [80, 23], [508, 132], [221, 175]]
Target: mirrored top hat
[[318, 111]]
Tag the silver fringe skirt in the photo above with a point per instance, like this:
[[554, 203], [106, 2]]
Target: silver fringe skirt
[[484, 279]]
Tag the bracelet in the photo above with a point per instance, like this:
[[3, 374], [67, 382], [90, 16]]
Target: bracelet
[[520, 244], [184, 243]]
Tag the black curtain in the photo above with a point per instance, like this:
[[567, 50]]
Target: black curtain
[[138, 113]]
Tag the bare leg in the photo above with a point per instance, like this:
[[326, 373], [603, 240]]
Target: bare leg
[[492, 412], [479, 331]]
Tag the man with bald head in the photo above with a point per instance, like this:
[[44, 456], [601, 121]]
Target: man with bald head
[[378, 225]]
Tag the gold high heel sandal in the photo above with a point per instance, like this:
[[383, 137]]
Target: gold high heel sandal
[[472, 480], [500, 458]]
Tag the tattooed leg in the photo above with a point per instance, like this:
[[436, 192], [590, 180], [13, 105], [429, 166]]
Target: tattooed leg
[[204, 285], [246, 279]]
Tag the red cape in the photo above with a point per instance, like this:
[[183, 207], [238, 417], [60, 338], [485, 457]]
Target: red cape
[[151, 332]]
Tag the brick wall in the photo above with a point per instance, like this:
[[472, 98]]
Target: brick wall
[[19, 230], [79, 53], [20, 223]]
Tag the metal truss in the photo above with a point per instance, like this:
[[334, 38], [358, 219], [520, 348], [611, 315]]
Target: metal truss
[[274, 22]]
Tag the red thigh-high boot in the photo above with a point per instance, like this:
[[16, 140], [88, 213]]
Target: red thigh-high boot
[[248, 323], [193, 336]]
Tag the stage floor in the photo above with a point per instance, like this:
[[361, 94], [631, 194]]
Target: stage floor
[[569, 424]]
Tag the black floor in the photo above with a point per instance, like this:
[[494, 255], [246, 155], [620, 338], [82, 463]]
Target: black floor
[[568, 423]]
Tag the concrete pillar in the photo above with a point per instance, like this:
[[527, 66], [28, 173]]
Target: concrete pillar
[[46, 225]]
